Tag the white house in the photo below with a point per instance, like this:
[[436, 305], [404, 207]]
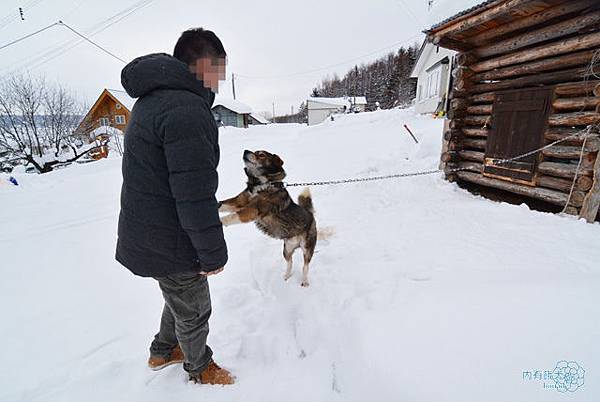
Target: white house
[[319, 109], [432, 70]]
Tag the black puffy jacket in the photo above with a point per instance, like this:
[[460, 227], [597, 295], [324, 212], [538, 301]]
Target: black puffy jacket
[[169, 221]]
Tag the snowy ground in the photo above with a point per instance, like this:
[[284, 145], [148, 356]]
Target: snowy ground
[[424, 293]]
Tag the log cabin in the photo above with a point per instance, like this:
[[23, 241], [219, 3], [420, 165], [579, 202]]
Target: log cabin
[[527, 75], [111, 109]]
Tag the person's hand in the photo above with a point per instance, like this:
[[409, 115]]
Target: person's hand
[[217, 271]]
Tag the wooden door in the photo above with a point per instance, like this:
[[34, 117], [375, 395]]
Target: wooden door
[[519, 120]]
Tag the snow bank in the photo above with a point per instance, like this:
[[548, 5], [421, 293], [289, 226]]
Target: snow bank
[[423, 293]]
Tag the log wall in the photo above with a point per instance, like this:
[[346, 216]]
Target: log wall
[[557, 55]]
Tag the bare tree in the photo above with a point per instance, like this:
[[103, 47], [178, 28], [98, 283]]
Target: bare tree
[[38, 123]]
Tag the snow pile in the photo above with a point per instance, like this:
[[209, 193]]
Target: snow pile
[[423, 293]]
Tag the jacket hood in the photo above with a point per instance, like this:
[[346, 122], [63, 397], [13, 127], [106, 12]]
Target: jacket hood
[[161, 71]]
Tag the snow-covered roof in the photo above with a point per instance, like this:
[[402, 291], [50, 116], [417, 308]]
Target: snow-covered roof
[[330, 101], [343, 101], [259, 118], [123, 98], [444, 11], [233, 105]]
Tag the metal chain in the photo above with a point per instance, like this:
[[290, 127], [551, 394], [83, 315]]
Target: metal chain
[[586, 133], [375, 178]]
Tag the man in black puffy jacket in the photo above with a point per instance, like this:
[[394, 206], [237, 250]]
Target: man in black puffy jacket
[[169, 226]]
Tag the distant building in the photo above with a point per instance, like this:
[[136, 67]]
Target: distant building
[[256, 119], [232, 113], [111, 109], [319, 109], [432, 71]]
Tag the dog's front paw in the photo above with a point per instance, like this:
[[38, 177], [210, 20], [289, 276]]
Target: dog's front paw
[[230, 220], [305, 284], [287, 276]]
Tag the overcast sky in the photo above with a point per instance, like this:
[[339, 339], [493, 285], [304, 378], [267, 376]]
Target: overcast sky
[[272, 44]]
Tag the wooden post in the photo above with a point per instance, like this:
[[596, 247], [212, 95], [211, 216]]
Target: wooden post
[[591, 203]]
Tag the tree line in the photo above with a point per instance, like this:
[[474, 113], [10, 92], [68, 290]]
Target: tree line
[[385, 82]]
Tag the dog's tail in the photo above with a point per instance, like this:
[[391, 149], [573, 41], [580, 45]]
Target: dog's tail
[[305, 200]]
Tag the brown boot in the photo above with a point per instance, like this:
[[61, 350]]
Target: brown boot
[[157, 363], [213, 375]]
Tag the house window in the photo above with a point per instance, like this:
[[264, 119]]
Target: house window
[[433, 83], [104, 121], [118, 106], [120, 119]]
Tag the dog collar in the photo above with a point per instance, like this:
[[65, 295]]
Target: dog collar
[[266, 186]]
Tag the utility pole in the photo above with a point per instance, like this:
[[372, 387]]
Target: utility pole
[[292, 110], [233, 84], [273, 110]]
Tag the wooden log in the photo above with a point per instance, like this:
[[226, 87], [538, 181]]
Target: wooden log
[[575, 135], [464, 59], [531, 20], [462, 86], [448, 157], [578, 104], [530, 80], [569, 45], [597, 89], [487, 97], [471, 167], [479, 109], [555, 183], [584, 183], [581, 88], [564, 152], [576, 199], [574, 119], [564, 170], [472, 143], [459, 104], [556, 63], [475, 132], [532, 37], [540, 193], [571, 211], [473, 156], [463, 73], [466, 22], [480, 121], [591, 203]]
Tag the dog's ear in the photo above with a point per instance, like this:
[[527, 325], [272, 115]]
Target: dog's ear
[[277, 161]]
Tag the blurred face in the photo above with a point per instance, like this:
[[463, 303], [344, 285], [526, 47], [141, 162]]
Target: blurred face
[[210, 70]]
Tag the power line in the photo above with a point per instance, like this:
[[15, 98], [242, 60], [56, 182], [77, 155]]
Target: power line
[[9, 19], [41, 59], [94, 30], [60, 23], [28, 36], [92, 42], [332, 65]]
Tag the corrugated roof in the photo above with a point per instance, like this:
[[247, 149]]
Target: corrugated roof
[[461, 14]]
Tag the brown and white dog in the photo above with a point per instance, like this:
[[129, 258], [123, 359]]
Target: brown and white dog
[[266, 202]]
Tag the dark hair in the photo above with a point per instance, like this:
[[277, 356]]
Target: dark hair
[[196, 43]]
